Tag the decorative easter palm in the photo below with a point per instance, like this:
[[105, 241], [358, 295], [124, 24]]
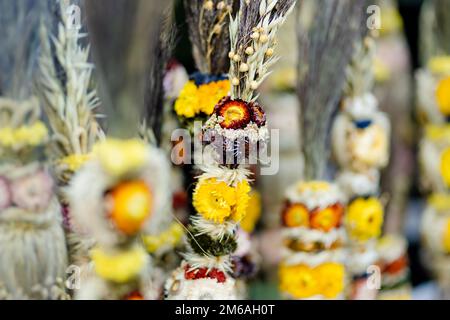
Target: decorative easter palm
[[312, 265], [128, 179], [64, 85], [30, 216], [361, 149], [236, 124]]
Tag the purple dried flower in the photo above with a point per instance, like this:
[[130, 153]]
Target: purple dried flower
[[5, 194]]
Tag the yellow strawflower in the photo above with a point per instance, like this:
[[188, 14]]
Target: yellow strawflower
[[253, 212], [195, 99], [364, 219], [445, 166], [119, 267], [121, 156], [443, 96]]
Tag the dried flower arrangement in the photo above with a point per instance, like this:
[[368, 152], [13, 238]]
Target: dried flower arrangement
[[313, 255], [30, 216], [221, 196], [129, 171], [64, 85], [394, 266], [130, 189], [361, 149], [207, 22]]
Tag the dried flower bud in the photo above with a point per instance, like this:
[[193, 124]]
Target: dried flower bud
[[253, 85], [243, 67], [263, 38], [220, 5], [209, 5], [231, 54], [269, 52], [235, 81], [249, 51], [255, 35], [236, 58]]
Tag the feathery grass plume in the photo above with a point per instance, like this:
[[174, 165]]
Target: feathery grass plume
[[154, 94], [325, 49], [64, 87], [252, 35], [209, 33], [18, 53], [124, 35]]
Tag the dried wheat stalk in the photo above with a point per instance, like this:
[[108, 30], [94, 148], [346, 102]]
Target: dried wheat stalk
[[252, 35], [360, 76], [208, 30], [325, 49], [64, 87]]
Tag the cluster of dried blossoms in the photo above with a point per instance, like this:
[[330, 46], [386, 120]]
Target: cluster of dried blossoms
[[361, 138], [128, 182], [313, 238], [30, 220], [361, 144], [235, 130], [361, 148], [29, 211]]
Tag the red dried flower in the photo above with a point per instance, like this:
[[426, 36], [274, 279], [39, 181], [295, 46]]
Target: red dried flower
[[258, 115], [235, 113], [203, 273]]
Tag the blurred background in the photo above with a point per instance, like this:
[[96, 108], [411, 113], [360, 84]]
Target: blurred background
[[410, 13]]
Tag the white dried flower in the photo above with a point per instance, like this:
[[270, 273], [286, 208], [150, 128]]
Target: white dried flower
[[263, 38], [269, 52], [249, 51], [255, 35], [220, 5], [253, 85], [243, 67], [235, 81], [236, 58]]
